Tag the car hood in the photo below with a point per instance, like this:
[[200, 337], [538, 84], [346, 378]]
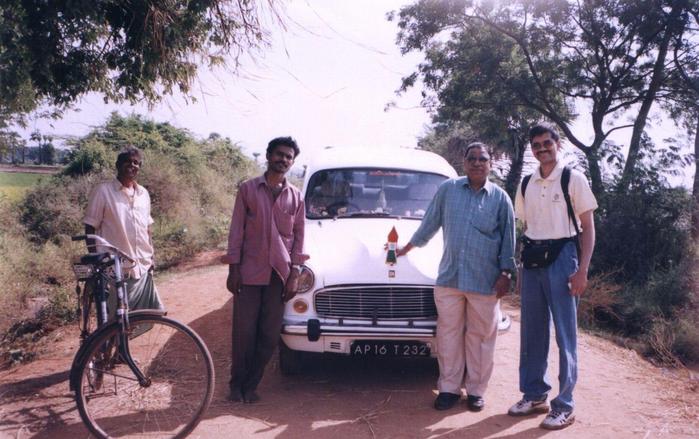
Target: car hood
[[351, 251]]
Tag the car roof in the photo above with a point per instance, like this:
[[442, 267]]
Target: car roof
[[394, 158]]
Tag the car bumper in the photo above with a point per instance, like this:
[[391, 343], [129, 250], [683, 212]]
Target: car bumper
[[337, 337]]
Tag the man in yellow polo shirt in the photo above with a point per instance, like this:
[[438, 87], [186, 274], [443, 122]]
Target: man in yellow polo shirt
[[554, 275]]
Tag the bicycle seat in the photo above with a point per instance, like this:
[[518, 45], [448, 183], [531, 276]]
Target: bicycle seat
[[94, 258]]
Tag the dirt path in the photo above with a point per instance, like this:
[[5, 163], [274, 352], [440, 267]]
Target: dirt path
[[618, 394]]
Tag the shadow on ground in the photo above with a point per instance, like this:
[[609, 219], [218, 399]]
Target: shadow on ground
[[334, 397]]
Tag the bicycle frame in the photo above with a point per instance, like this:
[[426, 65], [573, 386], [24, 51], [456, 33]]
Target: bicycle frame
[[122, 309]]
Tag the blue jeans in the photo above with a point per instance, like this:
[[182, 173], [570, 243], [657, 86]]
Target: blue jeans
[[545, 293]]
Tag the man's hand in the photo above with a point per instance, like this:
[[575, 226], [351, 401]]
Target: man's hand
[[502, 286], [292, 285], [234, 281], [404, 250], [577, 283]]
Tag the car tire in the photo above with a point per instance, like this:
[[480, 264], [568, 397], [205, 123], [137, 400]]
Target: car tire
[[290, 361]]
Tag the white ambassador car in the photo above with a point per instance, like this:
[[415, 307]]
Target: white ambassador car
[[350, 300]]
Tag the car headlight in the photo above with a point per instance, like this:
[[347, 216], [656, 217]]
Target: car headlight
[[300, 306], [306, 279]]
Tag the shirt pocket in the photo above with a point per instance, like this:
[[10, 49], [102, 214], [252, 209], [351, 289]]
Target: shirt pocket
[[485, 221], [284, 222]]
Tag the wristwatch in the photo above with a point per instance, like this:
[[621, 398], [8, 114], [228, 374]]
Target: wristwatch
[[506, 273]]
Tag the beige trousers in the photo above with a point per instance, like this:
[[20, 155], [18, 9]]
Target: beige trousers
[[466, 333]]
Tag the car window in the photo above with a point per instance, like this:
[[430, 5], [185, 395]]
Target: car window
[[366, 192]]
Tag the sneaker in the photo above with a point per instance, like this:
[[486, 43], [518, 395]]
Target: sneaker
[[556, 420], [525, 407], [446, 400]]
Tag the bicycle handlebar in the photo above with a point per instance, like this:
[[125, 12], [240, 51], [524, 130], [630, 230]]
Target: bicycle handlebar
[[104, 243]]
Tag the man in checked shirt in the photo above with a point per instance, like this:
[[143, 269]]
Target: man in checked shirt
[[477, 220], [265, 253]]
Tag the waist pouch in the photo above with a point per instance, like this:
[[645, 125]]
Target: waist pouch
[[541, 253]]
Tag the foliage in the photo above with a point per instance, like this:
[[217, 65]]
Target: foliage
[[449, 142], [28, 272], [190, 181], [644, 259], [548, 58], [89, 157], [61, 216], [54, 52], [192, 184]]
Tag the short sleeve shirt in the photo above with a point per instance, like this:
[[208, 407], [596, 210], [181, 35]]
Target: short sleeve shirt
[[545, 213], [122, 216]]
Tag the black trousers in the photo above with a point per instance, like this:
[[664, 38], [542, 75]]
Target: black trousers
[[257, 323]]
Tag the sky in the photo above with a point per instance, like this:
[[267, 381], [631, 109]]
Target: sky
[[326, 80]]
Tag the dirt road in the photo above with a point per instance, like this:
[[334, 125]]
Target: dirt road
[[618, 394]]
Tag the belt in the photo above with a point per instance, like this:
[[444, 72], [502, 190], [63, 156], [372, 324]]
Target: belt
[[529, 241]]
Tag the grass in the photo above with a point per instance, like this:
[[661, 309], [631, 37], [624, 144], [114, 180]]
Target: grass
[[14, 184]]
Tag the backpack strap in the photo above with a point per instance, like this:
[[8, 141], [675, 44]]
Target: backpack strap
[[565, 180], [525, 182]]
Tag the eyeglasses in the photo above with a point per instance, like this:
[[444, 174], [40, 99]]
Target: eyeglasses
[[473, 160]]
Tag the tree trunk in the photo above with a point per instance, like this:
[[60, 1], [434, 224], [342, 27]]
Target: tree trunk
[[695, 189], [515, 172], [595, 170], [655, 83]]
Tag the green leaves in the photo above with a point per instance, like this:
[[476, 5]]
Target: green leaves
[[54, 52]]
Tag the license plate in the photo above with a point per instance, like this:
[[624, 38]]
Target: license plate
[[380, 348]]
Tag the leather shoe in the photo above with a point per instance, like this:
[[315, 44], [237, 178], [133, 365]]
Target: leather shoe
[[446, 400], [475, 403]]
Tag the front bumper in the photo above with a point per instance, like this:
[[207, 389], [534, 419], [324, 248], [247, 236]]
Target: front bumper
[[336, 336]]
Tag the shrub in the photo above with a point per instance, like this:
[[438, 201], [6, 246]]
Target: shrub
[[88, 158], [56, 207], [645, 252], [192, 184]]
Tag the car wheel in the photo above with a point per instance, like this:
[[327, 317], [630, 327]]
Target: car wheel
[[290, 361]]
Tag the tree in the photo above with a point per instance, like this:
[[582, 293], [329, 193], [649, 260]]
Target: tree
[[683, 100], [47, 153], [608, 55], [54, 52], [461, 71]]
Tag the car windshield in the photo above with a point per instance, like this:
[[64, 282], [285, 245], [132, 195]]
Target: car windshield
[[370, 192]]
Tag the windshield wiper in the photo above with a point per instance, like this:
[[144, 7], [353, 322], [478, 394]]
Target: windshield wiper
[[367, 215]]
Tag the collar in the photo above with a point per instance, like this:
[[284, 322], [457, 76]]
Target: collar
[[555, 173], [261, 180], [488, 186], [120, 187]]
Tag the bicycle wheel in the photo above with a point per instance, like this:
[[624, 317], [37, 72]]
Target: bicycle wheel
[[175, 361]]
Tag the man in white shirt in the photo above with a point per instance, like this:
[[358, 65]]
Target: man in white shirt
[[119, 211], [554, 275]]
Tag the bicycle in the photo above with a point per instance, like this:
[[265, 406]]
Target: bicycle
[[139, 373]]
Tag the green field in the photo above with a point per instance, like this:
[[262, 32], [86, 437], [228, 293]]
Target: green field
[[14, 184]]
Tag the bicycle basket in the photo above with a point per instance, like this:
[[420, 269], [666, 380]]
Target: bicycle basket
[[83, 271]]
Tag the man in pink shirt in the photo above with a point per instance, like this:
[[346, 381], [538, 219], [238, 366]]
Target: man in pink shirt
[[265, 252]]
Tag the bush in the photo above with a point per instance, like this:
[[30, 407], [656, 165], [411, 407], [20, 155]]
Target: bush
[[192, 184], [90, 157], [645, 251], [56, 207]]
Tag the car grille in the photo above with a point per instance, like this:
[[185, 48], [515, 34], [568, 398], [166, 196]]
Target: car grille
[[376, 301]]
